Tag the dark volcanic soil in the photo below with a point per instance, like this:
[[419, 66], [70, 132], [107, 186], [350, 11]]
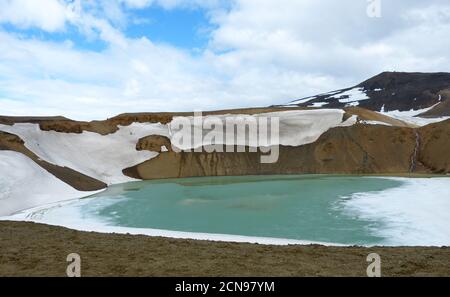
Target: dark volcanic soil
[[29, 249]]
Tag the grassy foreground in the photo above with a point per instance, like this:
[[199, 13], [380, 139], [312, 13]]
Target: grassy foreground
[[28, 249]]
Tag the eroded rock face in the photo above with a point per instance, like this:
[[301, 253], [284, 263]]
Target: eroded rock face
[[359, 149], [69, 126], [435, 146], [154, 143], [8, 140]]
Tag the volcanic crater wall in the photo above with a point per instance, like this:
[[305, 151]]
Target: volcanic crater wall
[[358, 149]]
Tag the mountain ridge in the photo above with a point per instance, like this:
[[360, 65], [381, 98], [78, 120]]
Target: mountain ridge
[[390, 91]]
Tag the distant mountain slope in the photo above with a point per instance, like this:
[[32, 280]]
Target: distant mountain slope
[[391, 91]]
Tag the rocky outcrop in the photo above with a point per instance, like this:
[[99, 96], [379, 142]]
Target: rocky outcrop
[[75, 179], [368, 115], [154, 143], [69, 126], [359, 149]]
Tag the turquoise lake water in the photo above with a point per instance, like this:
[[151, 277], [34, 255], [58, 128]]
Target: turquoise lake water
[[303, 207]]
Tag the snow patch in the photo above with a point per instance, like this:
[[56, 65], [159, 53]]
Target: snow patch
[[415, 214], [354, 95], [318, 104], [375, 123], [411, 116], [307, 99], [352, 104]]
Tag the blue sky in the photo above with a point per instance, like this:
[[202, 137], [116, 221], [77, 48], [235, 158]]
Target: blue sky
[[94, 59], [184, 28]]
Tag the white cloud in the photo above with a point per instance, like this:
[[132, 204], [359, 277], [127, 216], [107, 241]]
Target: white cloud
[[48, 15], [333, 38], [261, 52]]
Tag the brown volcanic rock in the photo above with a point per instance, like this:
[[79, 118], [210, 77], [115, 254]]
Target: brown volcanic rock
[[126, 119], [365, 149], [9, 120], [69, 126], [75, 179], [153, 143], [13, 142], [359, 149], [435, 146]]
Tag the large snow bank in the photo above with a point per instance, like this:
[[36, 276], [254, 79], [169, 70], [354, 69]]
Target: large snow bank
[[296, 127], [24, 184]]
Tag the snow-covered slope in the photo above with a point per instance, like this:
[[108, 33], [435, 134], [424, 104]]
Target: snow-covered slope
[[99, 156], [23, 184], [348, 97]]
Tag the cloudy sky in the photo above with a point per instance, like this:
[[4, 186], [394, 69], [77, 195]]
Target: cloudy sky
[[90, 59]]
